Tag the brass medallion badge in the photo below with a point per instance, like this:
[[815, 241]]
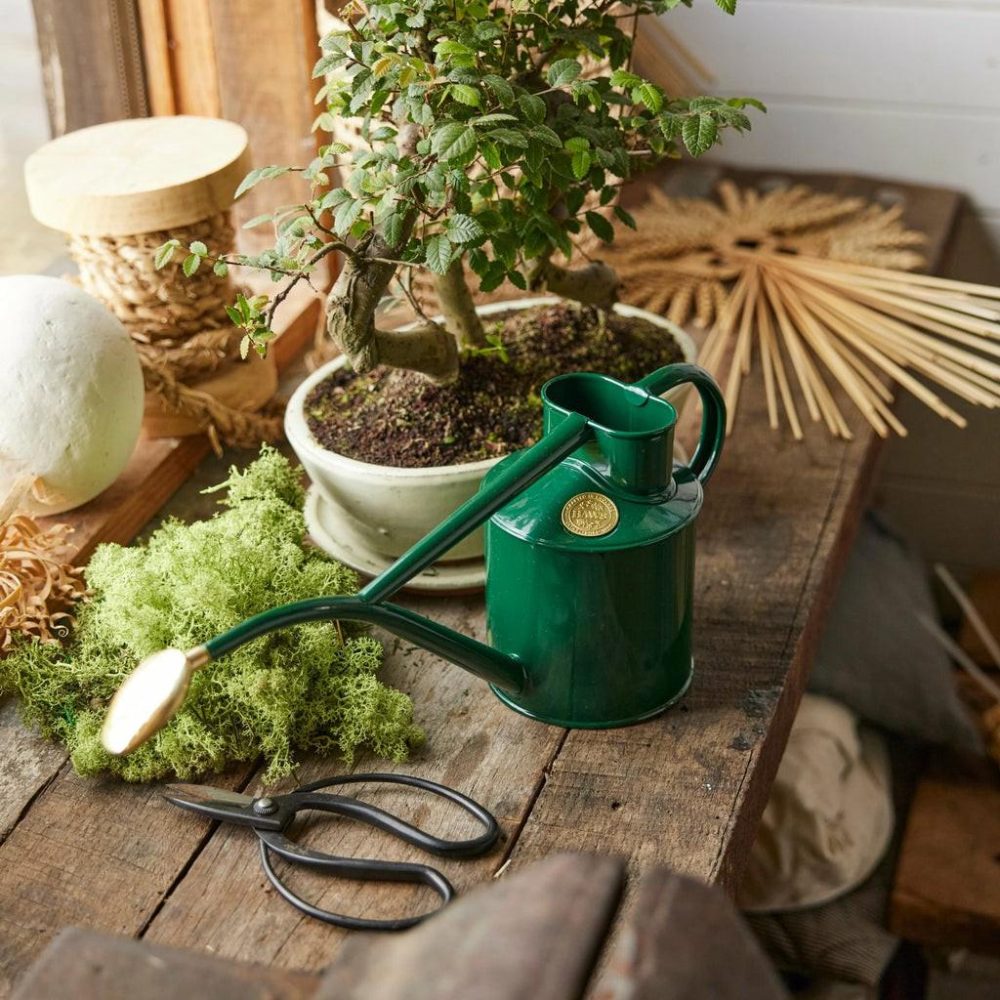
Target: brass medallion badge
[[589, 514]]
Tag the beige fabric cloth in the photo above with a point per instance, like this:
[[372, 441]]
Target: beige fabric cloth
[[829, 818]]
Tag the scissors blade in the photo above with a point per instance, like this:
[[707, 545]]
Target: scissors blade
[[219, 803]]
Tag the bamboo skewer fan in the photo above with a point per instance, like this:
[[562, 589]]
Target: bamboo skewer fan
[[815, 288]]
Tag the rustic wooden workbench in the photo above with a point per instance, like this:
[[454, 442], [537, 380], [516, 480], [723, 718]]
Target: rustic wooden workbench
[[684, 790]]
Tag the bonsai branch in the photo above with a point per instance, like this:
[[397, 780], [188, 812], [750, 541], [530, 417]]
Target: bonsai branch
[[303, 275], [594, 285], [350, 320], [429, 349]]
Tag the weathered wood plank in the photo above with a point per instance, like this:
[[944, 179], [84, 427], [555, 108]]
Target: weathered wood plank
[[473, 744], [156, 56], [535, 935], [946, 892], [27, 764], [91, 62], [683, 939], [106, 967], [201, 58], [276, 107], [179, 55], [94, 853]]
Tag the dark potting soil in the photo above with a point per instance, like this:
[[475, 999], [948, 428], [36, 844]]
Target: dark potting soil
[[400, 418]]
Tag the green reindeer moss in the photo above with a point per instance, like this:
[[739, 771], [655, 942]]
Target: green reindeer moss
[[305, 689]]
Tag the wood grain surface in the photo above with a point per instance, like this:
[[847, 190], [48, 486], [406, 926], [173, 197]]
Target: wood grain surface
[[141, 175], [179, 55], [686, 789], [92, 853], [271, 94], [236, 59], [107, 967], [683, 939], [947, 887], [92, 65], [535, 935]]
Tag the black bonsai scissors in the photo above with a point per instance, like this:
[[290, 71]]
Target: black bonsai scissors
[[269, 816]]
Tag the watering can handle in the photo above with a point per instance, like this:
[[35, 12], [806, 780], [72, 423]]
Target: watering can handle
[[713, 412]]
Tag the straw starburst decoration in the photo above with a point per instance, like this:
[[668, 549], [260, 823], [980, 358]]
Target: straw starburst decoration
[[817, 289]]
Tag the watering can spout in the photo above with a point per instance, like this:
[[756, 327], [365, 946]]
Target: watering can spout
[[155, 690], [490, 664]]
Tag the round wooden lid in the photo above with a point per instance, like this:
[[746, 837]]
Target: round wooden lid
[[137, 176]]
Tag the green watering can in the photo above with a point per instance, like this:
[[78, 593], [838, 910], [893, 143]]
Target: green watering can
[[589, 569]]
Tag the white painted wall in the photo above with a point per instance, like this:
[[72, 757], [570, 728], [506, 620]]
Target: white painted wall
[[898, 88]]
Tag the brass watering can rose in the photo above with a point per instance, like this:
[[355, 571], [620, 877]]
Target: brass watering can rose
[[149, 698], [592, 529]]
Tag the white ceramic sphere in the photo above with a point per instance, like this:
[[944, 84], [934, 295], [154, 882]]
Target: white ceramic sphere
[[71, 393]]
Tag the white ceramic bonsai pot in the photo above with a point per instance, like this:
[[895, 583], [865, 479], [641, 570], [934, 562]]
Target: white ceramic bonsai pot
[[367, 515]]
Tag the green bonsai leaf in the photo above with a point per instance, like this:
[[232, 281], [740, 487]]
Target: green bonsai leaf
[[465, 94], [452, 142], [465, 230], [601, 227], [438, 251], [253, 178], [165, 253], [648, 94], [699, 133], [562, 72]]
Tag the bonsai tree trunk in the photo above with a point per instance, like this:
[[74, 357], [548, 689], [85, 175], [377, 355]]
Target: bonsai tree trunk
[[596, 284], [350, 320], [457, 306]]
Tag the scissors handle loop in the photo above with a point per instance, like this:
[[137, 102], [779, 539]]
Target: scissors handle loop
[[311, 796], [353, 868]]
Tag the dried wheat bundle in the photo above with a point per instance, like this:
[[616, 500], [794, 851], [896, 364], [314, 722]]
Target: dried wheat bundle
[[815, 287], [38, 588]]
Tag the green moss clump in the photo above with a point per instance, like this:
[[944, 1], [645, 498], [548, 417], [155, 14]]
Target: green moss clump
[[302, 689]]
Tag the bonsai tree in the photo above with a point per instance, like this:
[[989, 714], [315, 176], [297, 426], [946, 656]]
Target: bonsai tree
[[488, 149]]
